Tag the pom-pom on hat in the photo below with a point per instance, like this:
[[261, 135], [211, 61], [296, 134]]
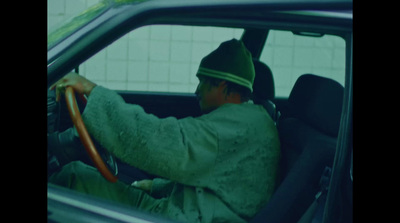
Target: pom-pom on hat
[[231, 61]]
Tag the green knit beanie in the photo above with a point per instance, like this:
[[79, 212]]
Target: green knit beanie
[[231, 61]]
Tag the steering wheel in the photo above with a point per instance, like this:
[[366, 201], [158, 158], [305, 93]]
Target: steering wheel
[[85, 137]]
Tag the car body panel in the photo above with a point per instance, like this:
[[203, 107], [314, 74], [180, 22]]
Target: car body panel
[[69, 206]]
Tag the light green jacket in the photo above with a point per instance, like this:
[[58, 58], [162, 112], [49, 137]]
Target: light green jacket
[[221, 166]]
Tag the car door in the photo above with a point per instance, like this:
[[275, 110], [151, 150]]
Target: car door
[[163, 100]]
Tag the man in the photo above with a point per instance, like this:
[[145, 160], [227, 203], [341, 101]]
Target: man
[[219, 167]]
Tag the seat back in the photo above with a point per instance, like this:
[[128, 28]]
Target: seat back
[[263, 86], [308, 135], [264, 89]]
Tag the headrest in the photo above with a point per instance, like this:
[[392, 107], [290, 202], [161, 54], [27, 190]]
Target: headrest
[[263, 87], [317, 101]]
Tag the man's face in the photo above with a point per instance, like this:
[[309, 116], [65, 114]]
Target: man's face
[[210, 97]]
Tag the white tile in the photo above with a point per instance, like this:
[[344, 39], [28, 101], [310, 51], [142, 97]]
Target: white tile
[[101, 83], [179, 73], [94, 71], [116, 71], [339, 58], [320, 71], [338, 75], [202, 34], [183, 33], [53, 22], [118, 50], [181, 88], [181, 51], [192, 88], [238, 33], [222, 34], [55, 7], [282, 91], [116, 85], [284, 38], [299, 71], [322, 57], [283, 56], [302, 41], [200, 50], [194, 67], [74, 6], [271, 38], [215, 45], [141, 33], [158, 87], [138, 71], [160, 32], [159, 50], [137, 86], [158, 72], [303, 57], [282, 76], [138, 50], [338, 42], [267, 56], [90, 3], [326, 41], [95, 67]]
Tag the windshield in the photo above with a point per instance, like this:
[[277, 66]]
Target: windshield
[[63, 22], [65, 17]]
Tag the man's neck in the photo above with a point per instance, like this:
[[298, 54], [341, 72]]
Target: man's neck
[[233, 98]]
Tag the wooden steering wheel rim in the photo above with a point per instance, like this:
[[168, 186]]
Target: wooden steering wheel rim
[[85, 137]]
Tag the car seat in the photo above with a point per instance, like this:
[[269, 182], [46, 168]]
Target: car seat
[[308, 134], [264, 89]]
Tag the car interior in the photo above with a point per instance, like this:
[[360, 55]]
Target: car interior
[[308, 124]]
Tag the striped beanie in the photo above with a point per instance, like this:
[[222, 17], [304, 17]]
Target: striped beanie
[[231, 61]]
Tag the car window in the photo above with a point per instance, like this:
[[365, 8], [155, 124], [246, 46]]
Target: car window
[[289, 56], [162, 58]]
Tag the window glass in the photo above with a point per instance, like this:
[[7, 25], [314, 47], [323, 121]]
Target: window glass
[[156, 58], [289, 56]]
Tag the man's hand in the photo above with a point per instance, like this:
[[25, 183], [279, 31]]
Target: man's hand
[[143, 184], [80, 85]]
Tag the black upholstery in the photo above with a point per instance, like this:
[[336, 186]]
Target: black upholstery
[[264, 88], [317, 101], [308, 141]]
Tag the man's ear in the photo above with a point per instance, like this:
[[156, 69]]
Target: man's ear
[[222, 87]]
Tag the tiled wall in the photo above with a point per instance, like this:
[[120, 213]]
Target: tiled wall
[[166, 58], [290, 56]]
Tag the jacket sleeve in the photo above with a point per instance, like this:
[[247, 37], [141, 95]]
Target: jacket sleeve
[[180, 150]]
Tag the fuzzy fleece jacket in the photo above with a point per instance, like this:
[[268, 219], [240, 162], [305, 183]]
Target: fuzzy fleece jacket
[[219, 167]]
